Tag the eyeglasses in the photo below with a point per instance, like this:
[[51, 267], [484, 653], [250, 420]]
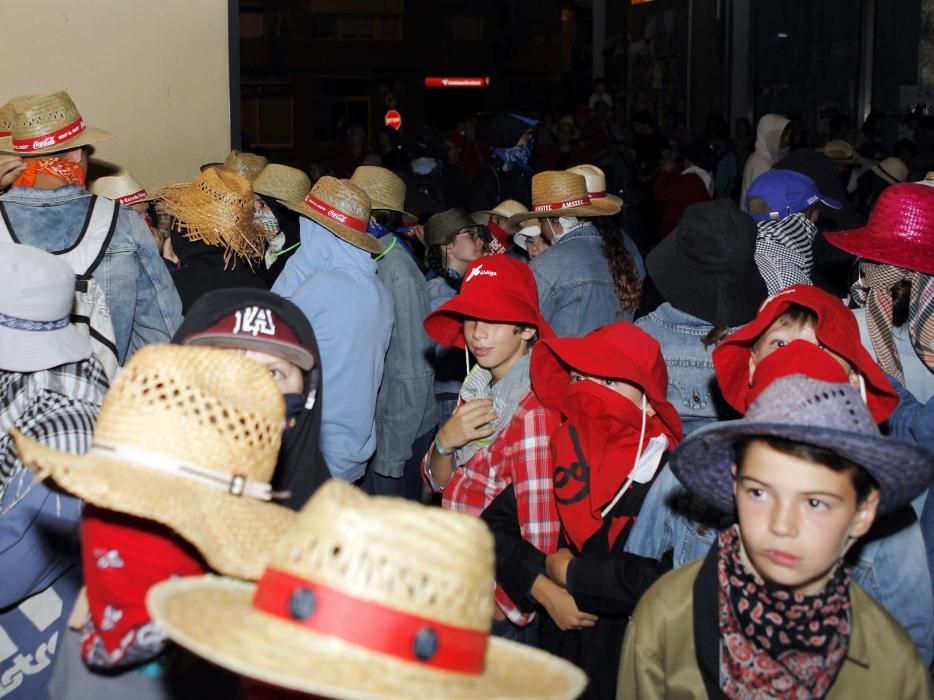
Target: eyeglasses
[[474, 234]]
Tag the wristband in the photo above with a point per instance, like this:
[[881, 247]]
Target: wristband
[[440, 450]]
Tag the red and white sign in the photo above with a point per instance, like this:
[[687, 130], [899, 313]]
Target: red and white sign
[[393, 119], [477, 82]]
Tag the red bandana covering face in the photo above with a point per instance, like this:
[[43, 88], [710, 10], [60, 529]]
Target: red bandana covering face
[[68, 171], [594, 452], [500, 236]]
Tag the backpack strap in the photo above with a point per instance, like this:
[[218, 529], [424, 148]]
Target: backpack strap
[[88, 252]]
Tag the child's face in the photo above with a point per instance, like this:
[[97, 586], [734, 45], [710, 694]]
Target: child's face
[[496, 346], [796, 518], [620, 386], [536, 245], [288, 377]]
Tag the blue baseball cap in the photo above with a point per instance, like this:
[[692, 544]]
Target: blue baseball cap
[[786, 192]]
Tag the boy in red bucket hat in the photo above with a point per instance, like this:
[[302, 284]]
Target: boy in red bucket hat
[[610, 388], [498, 434]]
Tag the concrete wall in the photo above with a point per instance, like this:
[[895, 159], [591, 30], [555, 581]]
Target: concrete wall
[[154, 72]]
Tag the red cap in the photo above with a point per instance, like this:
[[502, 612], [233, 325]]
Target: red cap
[[497, 289], [614, 351], [798, 357], [836, 330]]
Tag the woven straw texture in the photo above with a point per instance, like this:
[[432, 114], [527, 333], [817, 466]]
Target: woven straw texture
[[116, 186], [429, 562], [36, 116], [246, 165], [216, 208], [203, 405], [596, 182], [900, 231], [553, 186], [347, 198], [8, 111], [385, 189], [282, 182], [841, 152]]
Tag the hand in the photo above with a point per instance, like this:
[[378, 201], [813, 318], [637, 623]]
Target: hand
[[556, 566], [563, 610], [470, 422], [10, 168], [418, 231]]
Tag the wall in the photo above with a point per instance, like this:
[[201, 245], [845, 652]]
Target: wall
[[154, 72]]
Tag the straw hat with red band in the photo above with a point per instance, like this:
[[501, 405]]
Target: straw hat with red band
[[836, 330], [496, 288], [900, 231], [44, 124], [614, 351], [559, 193], [8, 114], [342, 208], [596, 188], [122, 188], [366, 597]]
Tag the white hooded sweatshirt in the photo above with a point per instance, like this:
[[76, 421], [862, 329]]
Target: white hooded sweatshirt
[[768, 151]]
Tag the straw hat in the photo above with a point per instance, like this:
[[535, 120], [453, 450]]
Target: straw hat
[[188, 437], [841, 152], [596, 188], [282, 182], [8, 113], [122, 188], [892, 170], [246, 165], [365, 598], [45, 124], [385, 189], [342, 208], [559, 193], [216, 208], [506, 209]]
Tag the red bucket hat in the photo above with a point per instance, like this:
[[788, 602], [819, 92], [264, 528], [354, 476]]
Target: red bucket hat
[[836, 330], [614, 351], [497, 289], [798, 357], [900, 231]]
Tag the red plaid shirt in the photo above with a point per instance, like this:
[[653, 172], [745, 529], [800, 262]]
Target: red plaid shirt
[[520, 455]]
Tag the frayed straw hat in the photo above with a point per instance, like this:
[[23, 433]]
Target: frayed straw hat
[[385, 189], [216, 208], [596, 188], [282, 182], [188, 437], [366, 597], [559, 193], [8, 113], [122, 188], [342, 208], [44, 124], [246, 165], [842, 152]]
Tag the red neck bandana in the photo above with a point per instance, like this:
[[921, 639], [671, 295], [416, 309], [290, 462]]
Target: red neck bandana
[[499, 234], [68, 171]]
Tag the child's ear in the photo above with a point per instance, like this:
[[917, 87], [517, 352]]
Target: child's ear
[[752, 366], [865, 515], [528, 333], [733, 472]]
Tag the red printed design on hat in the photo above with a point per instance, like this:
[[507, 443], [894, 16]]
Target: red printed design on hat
[[339, 216], [569, 204], [132, 198], [56, 137]]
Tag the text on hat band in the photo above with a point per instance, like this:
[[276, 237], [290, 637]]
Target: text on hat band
[[49, 140], [336, 214], [581, 202], [132, 198], [24, 324], [328, 612]]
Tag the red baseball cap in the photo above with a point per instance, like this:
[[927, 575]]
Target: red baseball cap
[[836, 330], [497, 289], [614, 351]]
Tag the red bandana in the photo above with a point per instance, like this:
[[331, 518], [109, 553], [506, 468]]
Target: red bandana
[[68, 171], [594, 451]]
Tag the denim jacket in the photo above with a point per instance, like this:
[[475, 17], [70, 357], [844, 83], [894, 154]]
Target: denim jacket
[[692, 383], [405, 404], [891, 566], [576, 291], [144, 306]]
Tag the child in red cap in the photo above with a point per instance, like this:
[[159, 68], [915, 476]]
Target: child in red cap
[[616, 429], [498, 434]]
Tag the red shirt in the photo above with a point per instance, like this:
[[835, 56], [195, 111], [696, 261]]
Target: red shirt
[[676, 193]]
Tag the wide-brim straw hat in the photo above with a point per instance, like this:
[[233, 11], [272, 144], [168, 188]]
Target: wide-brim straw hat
[[893, 170], [900, 230], [180, 433], [216, 208], [8, 113], [342, 208], [282, 182], [841, 152], [505, 209], [532, 229], [385, 189], [44, 124], [122, 188], [366, 598], [559, 193], [246, 165], [596, 188]]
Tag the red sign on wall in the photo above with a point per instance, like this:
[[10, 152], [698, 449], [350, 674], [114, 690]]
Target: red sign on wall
[[393, 119], [477, 82]]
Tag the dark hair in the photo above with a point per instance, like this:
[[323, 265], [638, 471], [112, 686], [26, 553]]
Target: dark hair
[[622, 269], [388, 218], [715, 335], [794, 315], [901, 302], [861, 479], [434, 258]]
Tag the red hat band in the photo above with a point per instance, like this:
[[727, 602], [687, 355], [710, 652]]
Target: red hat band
[[37, 143]]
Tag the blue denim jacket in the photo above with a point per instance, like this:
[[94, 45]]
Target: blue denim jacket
[[692, 383], [144, 305], [892, 569], [576, 291]]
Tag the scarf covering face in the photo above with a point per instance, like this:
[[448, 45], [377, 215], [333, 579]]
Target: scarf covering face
[[775, 643], [784, 251], [594, 451], [68, 171], [516, 157], [874, 292]]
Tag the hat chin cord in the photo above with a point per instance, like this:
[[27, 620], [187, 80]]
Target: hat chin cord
[[635, 462]]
